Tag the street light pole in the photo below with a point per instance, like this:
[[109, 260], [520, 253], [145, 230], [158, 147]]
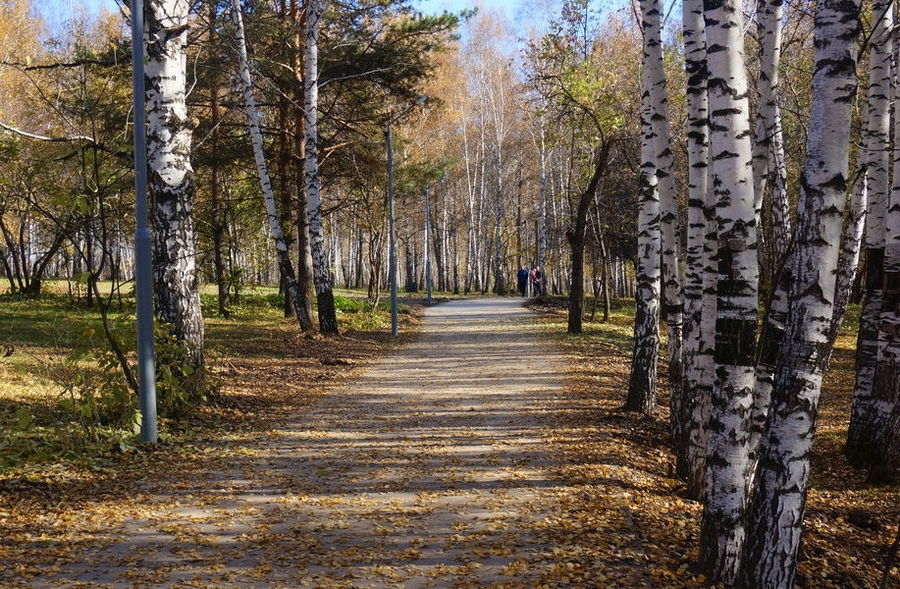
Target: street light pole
[[143, 272], [392, 233], [427, 248]]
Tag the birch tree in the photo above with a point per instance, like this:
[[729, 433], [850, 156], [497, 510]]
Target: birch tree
[[281, 246], [776, 516], [305, 282], [673, 303], [645, 357], [699, 293], [873, 429], [722, 530], [768, 160], [171, 178], [863, 433], [321, 271], [768, 141]]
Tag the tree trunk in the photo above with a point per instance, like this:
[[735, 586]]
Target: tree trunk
[[283, 166], [699, 327], [499, 212], [885, 392], [768, 142], [321, 272], [171, 179], [218, 227], [672, 288], [722, 530], [304, 247], [776, 516], [576, 239], [768, 160], [642, 382], [281, 246], [866, 418]]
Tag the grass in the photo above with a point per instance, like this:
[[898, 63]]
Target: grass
[[53, 342]]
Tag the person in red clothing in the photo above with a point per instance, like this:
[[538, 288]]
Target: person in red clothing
[[536, 277]]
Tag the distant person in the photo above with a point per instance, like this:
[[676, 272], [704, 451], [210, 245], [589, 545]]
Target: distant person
[[523, 280], [536, 276]]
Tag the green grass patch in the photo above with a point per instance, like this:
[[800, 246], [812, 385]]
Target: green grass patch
[[58, 383]]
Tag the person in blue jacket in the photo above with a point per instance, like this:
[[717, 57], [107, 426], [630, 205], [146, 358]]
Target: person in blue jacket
[[523, 280]]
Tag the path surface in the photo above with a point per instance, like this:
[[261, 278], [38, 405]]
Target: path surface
[[430, 470]]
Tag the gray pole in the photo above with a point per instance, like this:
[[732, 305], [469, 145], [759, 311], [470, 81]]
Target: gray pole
[[427, 247], [143, 274], [392, 234]]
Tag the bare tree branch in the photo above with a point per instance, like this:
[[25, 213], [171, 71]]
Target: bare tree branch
[[67, 139]]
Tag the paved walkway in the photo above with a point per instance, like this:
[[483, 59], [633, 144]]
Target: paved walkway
[[430, 470]]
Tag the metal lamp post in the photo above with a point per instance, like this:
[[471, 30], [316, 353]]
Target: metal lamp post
[[143, 273], [427, 248], [392, 233]]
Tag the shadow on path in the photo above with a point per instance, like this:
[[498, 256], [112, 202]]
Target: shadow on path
[[430, 470]]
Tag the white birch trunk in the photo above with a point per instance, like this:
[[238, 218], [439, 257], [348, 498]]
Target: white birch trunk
[[722, 531], [542, 239], [886, 378], [281, 246], [768, 160], [495, 95], [642, 382], [699, 324], [768, 144], [776, 516], [321, 269], [862, 434], [848, 261], [171, 177], [673, 303]]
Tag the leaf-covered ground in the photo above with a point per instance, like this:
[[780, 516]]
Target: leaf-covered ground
[[226, 501], [849, 524]]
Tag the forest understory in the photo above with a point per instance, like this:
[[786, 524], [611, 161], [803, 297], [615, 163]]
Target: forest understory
[[625, 521]]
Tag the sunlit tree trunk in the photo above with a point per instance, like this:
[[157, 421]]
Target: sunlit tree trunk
[[779, 499], [541, 238], [171, 178], [722, 530], [304, 247], [642, 382], [321, 271], [863, 432], [873, 158], [498, 103], [768, 161], [699, 293], [672, 288], [768, 141], [281, 246]]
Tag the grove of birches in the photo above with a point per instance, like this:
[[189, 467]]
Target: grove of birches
[[729, 166]]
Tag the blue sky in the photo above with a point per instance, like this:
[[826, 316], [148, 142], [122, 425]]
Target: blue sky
[[521, 12], [437, 6], [59, 10]]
